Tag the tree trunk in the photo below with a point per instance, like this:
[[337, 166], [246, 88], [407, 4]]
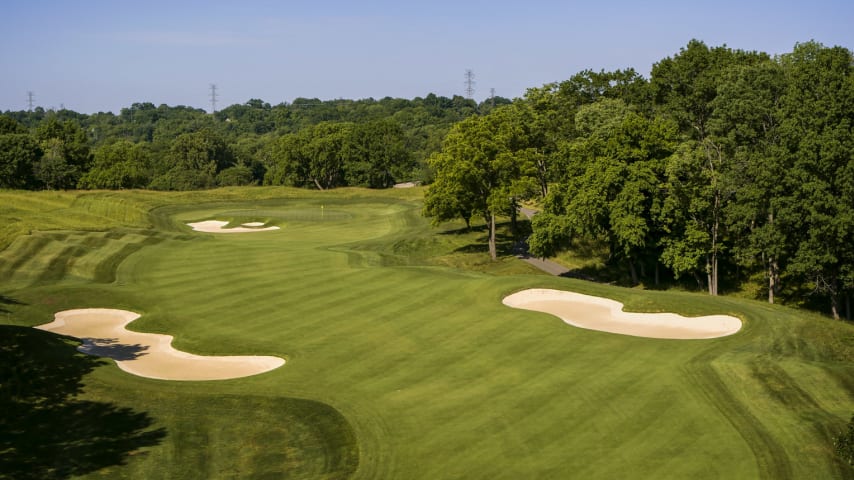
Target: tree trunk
[[543, 177], [712, 273], [633, 272], [492, 251], [770, 285], [715, 272], [513, 225], [773, 269], [319, 186], [773, 279], [848, 307], [656, 273], [699, 280], [834, 306]]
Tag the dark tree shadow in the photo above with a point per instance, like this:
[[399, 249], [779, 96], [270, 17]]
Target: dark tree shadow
[[4, 301], [45, 431], [465, 230], [111, 348]]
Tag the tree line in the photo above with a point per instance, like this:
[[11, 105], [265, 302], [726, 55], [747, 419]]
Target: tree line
[[726, 166], [309, 142]]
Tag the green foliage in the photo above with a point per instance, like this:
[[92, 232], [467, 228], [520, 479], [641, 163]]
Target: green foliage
[[818, 112], [9, 125], [19, 155], [484, 169], [552, 233], [390, 143], [378, 155], [727, 162], [119, 165], [53, 169], [239, 175], [193, 162]]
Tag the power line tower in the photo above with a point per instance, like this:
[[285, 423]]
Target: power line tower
[[492, 97], [213, 98], [470, 83], [29, 101]]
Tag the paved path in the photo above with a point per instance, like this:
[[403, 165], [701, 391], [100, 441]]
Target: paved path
[[548, 266]]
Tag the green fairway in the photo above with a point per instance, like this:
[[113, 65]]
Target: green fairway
[[399, 365]]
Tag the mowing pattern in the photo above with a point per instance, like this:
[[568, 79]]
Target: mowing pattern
[[416, 371], [53, 256]]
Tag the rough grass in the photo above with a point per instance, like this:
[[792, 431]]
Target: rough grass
[[402, 364]]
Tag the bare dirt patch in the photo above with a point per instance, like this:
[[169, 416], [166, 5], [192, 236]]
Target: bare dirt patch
[[605, 315], [149, 355]]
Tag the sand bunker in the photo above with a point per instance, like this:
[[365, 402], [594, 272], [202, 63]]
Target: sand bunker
[[217, 226], [149, 354], [602, 314]]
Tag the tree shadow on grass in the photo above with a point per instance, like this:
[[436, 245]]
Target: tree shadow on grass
[[4, 301], [46, 432], [505, 241]]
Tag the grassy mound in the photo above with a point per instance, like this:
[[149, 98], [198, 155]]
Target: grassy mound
[[401, 365]]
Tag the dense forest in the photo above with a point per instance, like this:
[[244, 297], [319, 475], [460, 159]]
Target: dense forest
[[309, 142], [727, 167]]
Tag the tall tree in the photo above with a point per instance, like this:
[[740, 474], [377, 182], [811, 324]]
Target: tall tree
[[378, 155], [193, 161], [287, 162], [327, 149], [480, 170], [684, 88], [66, 153], [119, 165], [818, 110], [19, 153], [53, 170], [611, 190], [745, 124]]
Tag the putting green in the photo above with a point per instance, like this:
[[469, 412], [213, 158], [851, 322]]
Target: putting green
[[398, 367]]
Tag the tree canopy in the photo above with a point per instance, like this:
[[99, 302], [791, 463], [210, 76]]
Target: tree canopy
[[730, 167], [178, 147]]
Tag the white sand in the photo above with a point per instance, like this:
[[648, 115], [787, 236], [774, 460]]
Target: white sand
[[149, 354], [217, 226], [602, 314]]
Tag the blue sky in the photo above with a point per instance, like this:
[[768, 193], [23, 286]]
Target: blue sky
[[97, 55]]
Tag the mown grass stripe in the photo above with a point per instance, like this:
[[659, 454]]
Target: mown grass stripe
[[436, 378]]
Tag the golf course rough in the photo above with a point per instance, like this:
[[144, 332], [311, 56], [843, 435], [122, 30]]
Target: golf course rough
[[149, 354], [605, 315]]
